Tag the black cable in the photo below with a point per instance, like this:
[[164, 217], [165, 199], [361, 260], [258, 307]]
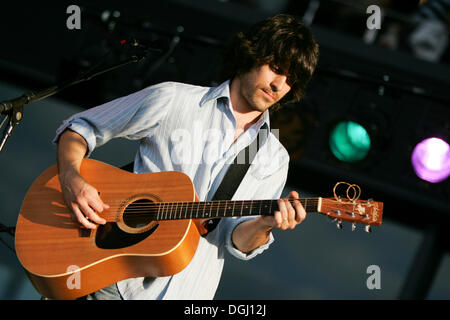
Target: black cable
[[9, 230], [7, 245]]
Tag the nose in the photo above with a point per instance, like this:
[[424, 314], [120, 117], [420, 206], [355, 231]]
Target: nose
[[278, 82]]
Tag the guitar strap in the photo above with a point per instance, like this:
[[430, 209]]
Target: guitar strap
[[233, 178]]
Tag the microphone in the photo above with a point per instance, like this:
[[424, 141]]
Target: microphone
[[17, 102], [27, 98]]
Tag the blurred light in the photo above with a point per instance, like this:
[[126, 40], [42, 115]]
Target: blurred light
[[431, 160], [349, 141]]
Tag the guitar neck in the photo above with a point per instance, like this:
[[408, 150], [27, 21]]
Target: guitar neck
[[225, 208]]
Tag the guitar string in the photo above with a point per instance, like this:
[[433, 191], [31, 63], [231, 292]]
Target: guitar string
[[173, 209], [171, 215], [211, 205], [237, 204], [214, 202]]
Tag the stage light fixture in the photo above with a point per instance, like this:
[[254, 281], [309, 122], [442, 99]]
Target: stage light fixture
[[431, 160], [349, 141]]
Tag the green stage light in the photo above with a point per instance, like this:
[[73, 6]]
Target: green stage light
[[349, 141]]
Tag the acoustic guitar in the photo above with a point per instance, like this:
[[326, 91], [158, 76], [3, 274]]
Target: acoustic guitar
[[153, 227]]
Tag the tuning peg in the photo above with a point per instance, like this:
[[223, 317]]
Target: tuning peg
[[353, 226], [339, 225], [337, 212], [367, 228]]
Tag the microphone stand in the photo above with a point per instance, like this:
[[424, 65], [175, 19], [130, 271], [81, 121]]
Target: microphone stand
[[13, 109]]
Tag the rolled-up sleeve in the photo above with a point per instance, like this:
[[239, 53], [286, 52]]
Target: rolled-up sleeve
[[231, 224], [132, 117]]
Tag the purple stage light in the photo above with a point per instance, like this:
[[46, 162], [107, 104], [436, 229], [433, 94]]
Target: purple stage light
[[431, 160]]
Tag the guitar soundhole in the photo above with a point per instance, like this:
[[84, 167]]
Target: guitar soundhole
[[138, 214], [137, 225]]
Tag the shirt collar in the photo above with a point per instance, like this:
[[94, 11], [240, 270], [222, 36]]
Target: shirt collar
[[215, 93], [222, 91]]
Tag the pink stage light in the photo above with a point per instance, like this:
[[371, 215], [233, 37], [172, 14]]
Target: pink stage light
[[431, 160]]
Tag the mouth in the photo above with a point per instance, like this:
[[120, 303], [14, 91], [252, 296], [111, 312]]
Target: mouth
[[267, 94]]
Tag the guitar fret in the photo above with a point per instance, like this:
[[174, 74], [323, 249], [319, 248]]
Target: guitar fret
[[186, 211], [232, 211], [196, 213], [157, 214], [205, 214], [182, 204], [217, 212], [173, 211], [228, 208], [169, 211], [166, 208], [164, 215]]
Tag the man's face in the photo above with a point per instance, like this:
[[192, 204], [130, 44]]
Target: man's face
[[262, 87]]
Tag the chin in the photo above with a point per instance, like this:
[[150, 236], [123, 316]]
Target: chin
[[260, 108]]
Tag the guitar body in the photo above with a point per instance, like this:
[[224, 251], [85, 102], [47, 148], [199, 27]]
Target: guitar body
[[64, 261]]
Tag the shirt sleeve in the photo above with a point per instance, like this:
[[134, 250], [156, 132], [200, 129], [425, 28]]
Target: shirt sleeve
[[232, 223], [132, 117]]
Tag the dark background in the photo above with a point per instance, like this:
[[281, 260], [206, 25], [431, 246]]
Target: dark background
[[399, 96]]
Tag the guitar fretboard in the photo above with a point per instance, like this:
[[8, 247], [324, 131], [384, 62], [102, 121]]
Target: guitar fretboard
[[224, 208]]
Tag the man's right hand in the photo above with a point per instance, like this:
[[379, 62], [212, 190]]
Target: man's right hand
[[83, 200]]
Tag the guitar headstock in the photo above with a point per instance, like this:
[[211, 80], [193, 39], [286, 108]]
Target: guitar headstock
[[351, 209], [358, 211]]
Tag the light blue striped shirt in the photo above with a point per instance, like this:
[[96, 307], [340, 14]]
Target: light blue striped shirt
[[190, 129]]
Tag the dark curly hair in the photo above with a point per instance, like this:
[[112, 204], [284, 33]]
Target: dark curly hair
[[283, 43]]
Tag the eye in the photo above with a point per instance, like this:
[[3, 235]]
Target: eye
[[276, 69]]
